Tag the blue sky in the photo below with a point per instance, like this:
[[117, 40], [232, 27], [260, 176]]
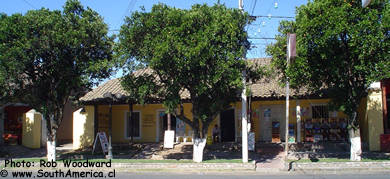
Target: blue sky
[[114, 11]]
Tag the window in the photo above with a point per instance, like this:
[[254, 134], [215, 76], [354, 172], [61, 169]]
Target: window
[[321, 111], [134, 125]]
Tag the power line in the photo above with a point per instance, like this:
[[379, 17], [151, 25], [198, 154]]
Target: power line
[[270, 16], [29, 4], [129, 8], [262, 38], [253, 8]]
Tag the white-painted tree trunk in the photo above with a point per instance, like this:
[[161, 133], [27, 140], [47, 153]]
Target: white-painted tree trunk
[[51, 150], [356, 147], [199, 145]]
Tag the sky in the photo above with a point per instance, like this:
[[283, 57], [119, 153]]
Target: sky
[[114, 11]]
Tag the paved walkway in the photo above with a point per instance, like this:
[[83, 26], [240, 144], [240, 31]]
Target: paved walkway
[[65, 147], [271, 158], [19, 151]]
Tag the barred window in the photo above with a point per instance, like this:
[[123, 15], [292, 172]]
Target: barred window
[[320, 111]]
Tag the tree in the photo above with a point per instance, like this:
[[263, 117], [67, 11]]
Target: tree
[[52, 57], [340, 46], [196, 51], [141, 88]]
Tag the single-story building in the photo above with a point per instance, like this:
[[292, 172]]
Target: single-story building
[[311, 119], [22, 125]]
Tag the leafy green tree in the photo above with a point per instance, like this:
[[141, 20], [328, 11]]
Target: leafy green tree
[[50, 58], [196, 52], [340, 46]]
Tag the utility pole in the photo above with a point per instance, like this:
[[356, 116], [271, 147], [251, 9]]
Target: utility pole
[[244, 120], [291, 52], [365, 3]]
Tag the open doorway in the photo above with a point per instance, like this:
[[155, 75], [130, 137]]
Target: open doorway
[[163, 124], [228, 129], [13, 123]]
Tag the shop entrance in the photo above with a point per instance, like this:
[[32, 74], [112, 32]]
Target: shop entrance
[[272, 123], [227, 127]]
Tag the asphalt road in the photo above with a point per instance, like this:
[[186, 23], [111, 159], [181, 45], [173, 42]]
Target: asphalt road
[[220, 175], [234, 176]]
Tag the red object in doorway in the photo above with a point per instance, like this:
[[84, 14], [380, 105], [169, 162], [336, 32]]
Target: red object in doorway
[[385, 142]]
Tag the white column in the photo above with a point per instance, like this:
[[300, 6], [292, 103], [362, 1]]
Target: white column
[[298, 109], [287, 116], [244, 122]]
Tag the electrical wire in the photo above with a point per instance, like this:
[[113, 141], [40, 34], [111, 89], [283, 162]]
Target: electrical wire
[[29, 4]]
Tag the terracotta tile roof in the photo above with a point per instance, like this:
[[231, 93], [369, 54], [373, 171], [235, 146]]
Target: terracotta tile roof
[[114, 86], [265, 88], [271, 87]]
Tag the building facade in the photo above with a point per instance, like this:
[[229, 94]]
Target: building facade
[[311, 119]]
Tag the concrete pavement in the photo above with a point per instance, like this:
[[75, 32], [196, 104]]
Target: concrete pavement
[[238, 175], [263, 168]]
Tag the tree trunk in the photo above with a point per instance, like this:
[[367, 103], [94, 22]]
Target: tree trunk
[[199, 141], [51, 138], [51, 148], [354, 136], [169, 121], [199, 144]]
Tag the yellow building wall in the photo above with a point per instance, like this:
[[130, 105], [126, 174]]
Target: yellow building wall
[[303, 103], [83, 127], [65, 130], [374, 118], [150, 124], [31, 134], [363, 121], [148, 114], [149, 121]]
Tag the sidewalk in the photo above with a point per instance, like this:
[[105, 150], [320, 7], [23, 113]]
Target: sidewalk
[[341, 167], [264, 168], [268, 159]]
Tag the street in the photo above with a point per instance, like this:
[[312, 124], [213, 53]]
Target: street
[[249, 176], [221, 175]]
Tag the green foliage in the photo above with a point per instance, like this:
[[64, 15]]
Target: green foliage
[[140, 88], [197, 50], [340, 46], [49, 57]]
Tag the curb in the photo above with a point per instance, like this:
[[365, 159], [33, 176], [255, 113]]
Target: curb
[[191, 166], [342, 167], [320, 167], [156, 167]]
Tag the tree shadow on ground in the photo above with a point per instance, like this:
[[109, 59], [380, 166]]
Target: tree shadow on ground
[[19, 151], [120, 151]]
